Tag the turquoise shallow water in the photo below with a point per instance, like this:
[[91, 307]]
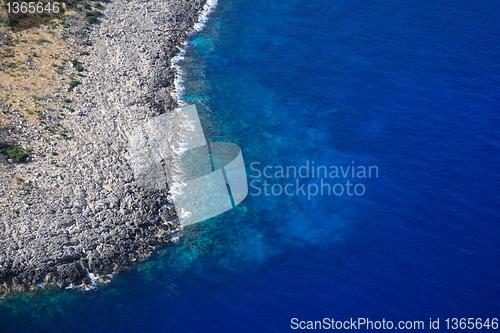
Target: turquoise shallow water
[[409, 87]]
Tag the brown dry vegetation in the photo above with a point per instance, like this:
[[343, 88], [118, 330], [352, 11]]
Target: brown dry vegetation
[[37, 68]]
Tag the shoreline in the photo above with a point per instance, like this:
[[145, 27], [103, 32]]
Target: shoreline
[[91, 220], [200, 23]]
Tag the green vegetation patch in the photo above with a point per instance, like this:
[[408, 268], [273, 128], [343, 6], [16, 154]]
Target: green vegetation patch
[[78, 66], [5, 21], [65, 18], [42, 41], [95, 13], [15, 153], [73, 84]]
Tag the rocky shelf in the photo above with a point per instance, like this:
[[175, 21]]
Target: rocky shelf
[[81, 211]]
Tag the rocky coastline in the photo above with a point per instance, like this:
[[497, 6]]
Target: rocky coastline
[[86, 217]]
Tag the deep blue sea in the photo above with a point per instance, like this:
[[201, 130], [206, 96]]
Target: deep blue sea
[[409, 87]]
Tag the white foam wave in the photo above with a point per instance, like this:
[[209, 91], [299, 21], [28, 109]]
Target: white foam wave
[[178, 82], [203, 17], [178, 92], [95, 280], [176, 189], [72, 286]]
